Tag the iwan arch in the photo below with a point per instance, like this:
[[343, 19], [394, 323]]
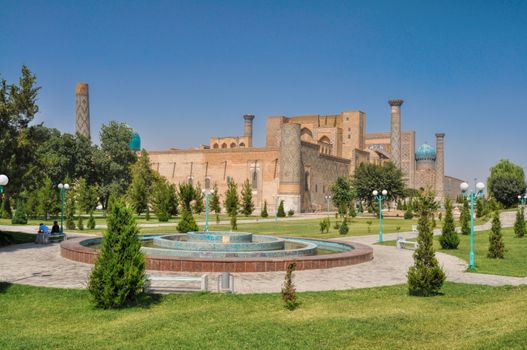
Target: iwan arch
[[304, 155]]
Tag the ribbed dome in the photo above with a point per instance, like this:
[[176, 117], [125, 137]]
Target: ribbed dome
[[135, 142], [425, 152]]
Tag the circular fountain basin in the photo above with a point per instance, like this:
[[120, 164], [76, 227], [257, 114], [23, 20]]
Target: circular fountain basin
[[230, 252]]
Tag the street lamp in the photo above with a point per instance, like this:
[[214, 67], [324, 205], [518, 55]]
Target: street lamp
[[380, 197], [62, 188], [472, 196], [328, 198], [4, 180], [522, 199], [207, 193]]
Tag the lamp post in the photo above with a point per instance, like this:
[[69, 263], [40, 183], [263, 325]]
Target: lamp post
[[521, 199], [472, 196], [328, 198], [207, 193], [62, 188], [4, 180], [380, 197]]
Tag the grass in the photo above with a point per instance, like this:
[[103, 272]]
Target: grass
[[514, 263], [8, 238], [465, 317]]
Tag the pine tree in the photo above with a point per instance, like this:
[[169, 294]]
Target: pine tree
[[118, 277], [465, 218], [20, 217], [215, 200], [425, 277], [80, 222], [161, 200], [143, 179], [519, 224], [352, 211], [70, 208], [496, 245], [264, 212], [288, 289], [187, 222], [91, 222], [234, 222], [480, 207], [281, 211], [186, 194], [198, 206], [231, 199], [6, 208], [344, 229], [247, 198], [449, 238], [408, 214]]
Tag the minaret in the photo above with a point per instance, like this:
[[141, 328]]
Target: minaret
[[440, 166], [290, 161], [82, 110], [248, 128], [395, 132]]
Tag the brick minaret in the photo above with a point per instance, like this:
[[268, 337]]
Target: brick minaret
[[290, 161], [82, 110], [440, 166], [395, 131], [248, 128]]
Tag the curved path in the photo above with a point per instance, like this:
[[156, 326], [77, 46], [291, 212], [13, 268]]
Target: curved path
[[43, 266]]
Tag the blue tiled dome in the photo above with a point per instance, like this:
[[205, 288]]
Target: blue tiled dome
[[425, 152], [135, 142]]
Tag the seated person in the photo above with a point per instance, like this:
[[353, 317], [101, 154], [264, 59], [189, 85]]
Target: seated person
[[55, 228], [43, 229]]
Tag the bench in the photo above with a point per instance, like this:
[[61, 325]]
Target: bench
[[401, 243], [203, 283], [43, 238]]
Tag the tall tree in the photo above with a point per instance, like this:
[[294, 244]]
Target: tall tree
[[519, 224], [162, 199], [186, 194], [506, 182], [215, 200], [247, 198], [464, 218], [369, 177], [449, 238], [86, 196], [496, 245], [138, 193], [232, 201], [342, 194], [198, 206]]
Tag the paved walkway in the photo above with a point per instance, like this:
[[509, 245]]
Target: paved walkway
[[43, 266]]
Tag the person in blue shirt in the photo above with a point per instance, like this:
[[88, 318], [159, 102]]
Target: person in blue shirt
[[43, 229]]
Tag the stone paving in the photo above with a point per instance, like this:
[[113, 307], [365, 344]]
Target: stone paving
[[43, 266]]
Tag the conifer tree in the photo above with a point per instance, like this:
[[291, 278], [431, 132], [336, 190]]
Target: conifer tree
[[215, 200], [344, 229], [140, 188], [234, 222], [281, 211], [264, 212], [118, 277], [519, 224], [198, 206], [70, 207], [161, 199], [80, 222], [231, 199], [186, 194], [91, 222], [20, 217], [289, 290], [465, 218], [449, 238], [408, 214], [187, 222], [425, 277], [247, 198], [352, 212], [496, 245], [6, 208]]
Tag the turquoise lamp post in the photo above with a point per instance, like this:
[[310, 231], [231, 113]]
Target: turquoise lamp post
[[522, 199], [472, 197], [207, 194], [4, 180], [328, 199], [62, 188], [380, 197]]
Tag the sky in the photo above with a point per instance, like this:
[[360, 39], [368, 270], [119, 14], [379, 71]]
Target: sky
[[180, 72]]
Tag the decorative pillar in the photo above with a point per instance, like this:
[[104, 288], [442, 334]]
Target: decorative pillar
[[289, 188], [248, 128], [82, 110], [440, 166], [395, 131]]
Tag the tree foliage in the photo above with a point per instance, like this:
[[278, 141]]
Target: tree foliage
[[186, 194], [163, 199], [519, 224], [187, 222], [281, 212], [118, 277], [214, 203], [232, 201], [496, 245], [342, 194], [369, 177], [506, 182], [464, 218], [449, 238], [264, 212], [140, 188], [247, 198]]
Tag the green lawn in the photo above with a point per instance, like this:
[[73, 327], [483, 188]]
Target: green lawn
[[514, 263], [465, 317]]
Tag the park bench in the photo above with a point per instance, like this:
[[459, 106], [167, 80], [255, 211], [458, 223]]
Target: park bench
[[49, 238], [202, 280], [401, 243]]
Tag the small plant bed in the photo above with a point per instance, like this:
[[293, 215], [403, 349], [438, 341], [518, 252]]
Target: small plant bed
[[9, 238], [471, 317]]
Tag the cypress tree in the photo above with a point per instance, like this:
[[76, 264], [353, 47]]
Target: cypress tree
[[20, 217], [465, 218], [519, 224], [6, 208], [289, 290], [231, 199], [281, 211], [344, 229], [187, 222], [234, 222], [91, 222], [215, 200], [449, 238], [69, 209], [425, 277], [496, 245], [198, 200], [264, 212], [118, 277], [247, 198]]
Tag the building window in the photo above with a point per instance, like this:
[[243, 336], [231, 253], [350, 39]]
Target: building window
[[207, 183], [215, 146], [189, 180], [224, 145], [306, 183], [316, 188], [229, 179], [324, 189], [242, 144], [254, 180], [349, 129], [349, 136], [233, 145]]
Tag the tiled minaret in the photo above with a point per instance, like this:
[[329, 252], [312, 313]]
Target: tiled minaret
[[395, 131], [440, 166], [248, 128], [82, 110]]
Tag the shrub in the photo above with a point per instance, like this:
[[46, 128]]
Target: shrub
[[369, 222], [234, 223], [264, 212], [247, 198], [288, 289], [519, 224], [290, 212], [91, 222], [217, 219], [449, 238], [344, 229], [232, 201], [20, 217], [187, 222], [352, 212], [408, 214], [6, 209], [496, 245], [425, 277], [337, 225], [281, 211], [80, 223], [118, 277], [324, 225]]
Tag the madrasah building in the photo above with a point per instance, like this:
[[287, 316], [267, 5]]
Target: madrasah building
[[302, 157]]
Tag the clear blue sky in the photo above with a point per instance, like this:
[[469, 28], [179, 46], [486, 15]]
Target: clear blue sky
[[179, 72]]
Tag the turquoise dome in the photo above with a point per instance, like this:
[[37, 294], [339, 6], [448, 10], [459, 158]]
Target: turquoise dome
[[425, 152], [135, 142]]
